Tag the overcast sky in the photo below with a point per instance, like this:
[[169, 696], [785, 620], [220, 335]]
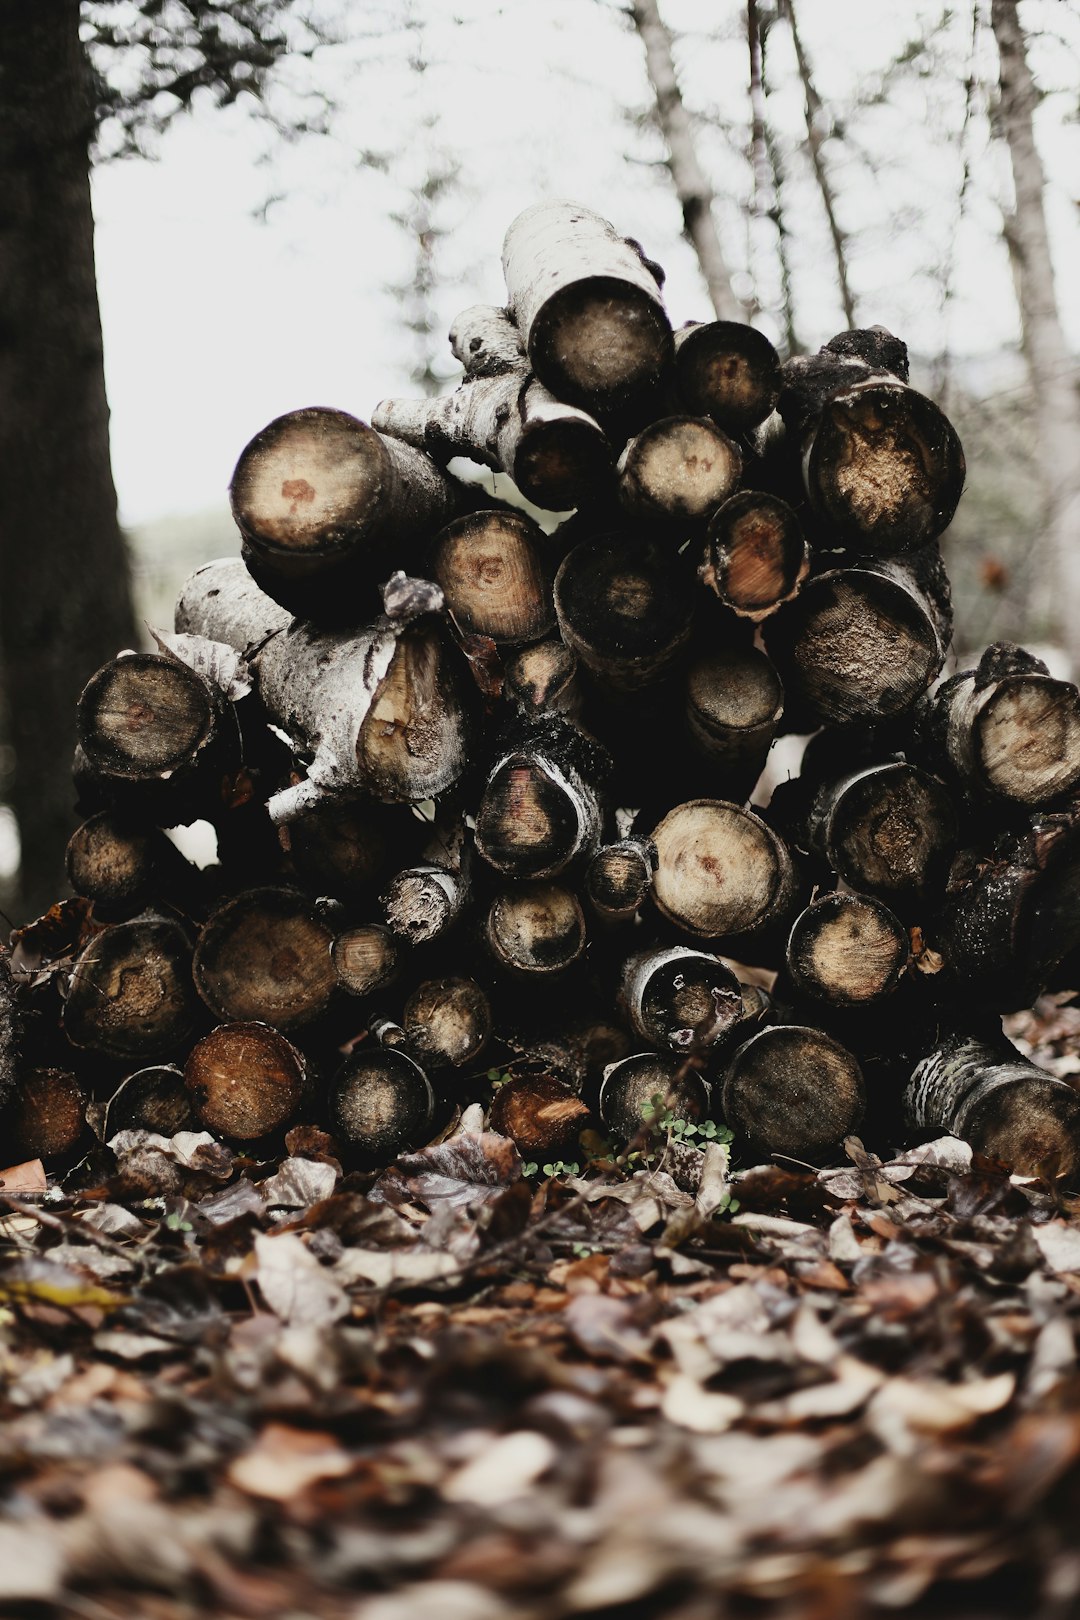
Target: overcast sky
[[215, 321]]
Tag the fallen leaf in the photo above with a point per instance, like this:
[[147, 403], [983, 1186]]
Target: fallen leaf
[[284, 1461], [293, 1283]]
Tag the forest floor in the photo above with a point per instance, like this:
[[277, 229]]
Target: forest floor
[[273, 1390]]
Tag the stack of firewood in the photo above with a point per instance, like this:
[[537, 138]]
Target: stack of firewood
[[487, 781]]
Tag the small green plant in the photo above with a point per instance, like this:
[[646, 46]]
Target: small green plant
[[557, 1167], [662, 1117]]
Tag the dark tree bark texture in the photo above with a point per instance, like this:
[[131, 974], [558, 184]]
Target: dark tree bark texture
[[65, 604]]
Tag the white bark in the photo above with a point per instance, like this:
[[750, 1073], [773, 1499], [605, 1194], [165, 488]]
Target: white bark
[[1051, 369], [688, 177]]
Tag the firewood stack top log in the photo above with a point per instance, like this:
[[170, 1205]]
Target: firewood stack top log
[[486, 781]]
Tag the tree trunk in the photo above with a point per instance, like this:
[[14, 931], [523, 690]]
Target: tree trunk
[[65, 603], [1055, 404], [688, 177]]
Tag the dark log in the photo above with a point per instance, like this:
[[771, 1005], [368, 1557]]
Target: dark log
[[587, 305], [792, 1089], [721, 872], [45, 1118], [447, 1022], [540, 811], [122, 867], [1007, 729], [348, 848], [882, 464], [1012, 914], [857, 644], [680, 999], [630, 1088], [422, 902], [847, 949], [380, 1104], [130, 994], [727, 370], [154, 1099], [536, 930], [677, 471], [366, 959], [264, 957], [625, 604], [245, 1080], [756, 556], [490, 569], [541, 1116], [888, 830], [504, 418], [542, 679], [376, 710], [734, 703], [1007, 1107], [619, 878], [326, 506]]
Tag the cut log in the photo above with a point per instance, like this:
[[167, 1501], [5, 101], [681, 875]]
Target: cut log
[[540, 1115], [888, 830], [721, 872], [792, 1089], [557, 455], [677, 471], [326, 506], [380, 1104], [729, 371], [847, 949], [625, 604], [680, 999], [46, 1116], [756, 556], [366, 959], [734, 703], [130, 995], [245, 1080], [1007, 1108], [489, 566], [1007, 729], [539, 811], [376, 710], [112, 863], [542, 679], [264, 957], [422, 902], [154, 1099], [631, 1087], [882, 464], [347, 848], [857, 644], [536, 930], [619, 877], [447, 1022]]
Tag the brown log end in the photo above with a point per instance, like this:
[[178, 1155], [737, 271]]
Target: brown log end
[[792, 1089], [144, 716], [130, 994], [891, 832], [625, 605], [536, 929], [678, 470], [489, 567], [619, 877], [245, 1080], [1027, 741], [728, 371], [846, 949], [601, 343], [562, 463], [153, 1099], [46, 1117], [366, 959], [630, 1088], [380, 1104], [757, 556], [447, 1022], [720, 871], [110, 862], [265, 956], [541, 1116]]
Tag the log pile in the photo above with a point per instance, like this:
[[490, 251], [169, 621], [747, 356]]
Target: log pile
[[486, 775]]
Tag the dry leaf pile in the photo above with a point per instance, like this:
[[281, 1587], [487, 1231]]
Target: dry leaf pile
[[249, 1390]]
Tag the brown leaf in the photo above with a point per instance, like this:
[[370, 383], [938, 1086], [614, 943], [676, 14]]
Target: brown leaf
[[284, 1461], [28, 1177], [463, 1172]]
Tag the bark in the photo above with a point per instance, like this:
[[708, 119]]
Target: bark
[[1007, 1107], [130, 994], [264, 957], [327, 507], [688, 177], [380, 1104], [536, 930], [680, 999], [587, 305], [65, 603], [630, 1088], [447, 1022], [154, 1099], [721, 872], [847, 950], [676, 472], [756, 557], [378, 709], [1055, 402], [245, 1080], [422, 902], [728, 371], [366, 958], [490, 567], [625, 605], [792, 1089]]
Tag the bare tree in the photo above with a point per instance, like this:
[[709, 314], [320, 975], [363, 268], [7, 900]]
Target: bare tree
[[1051, 369]]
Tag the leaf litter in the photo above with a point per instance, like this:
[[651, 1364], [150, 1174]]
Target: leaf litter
[[276, 1389]]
